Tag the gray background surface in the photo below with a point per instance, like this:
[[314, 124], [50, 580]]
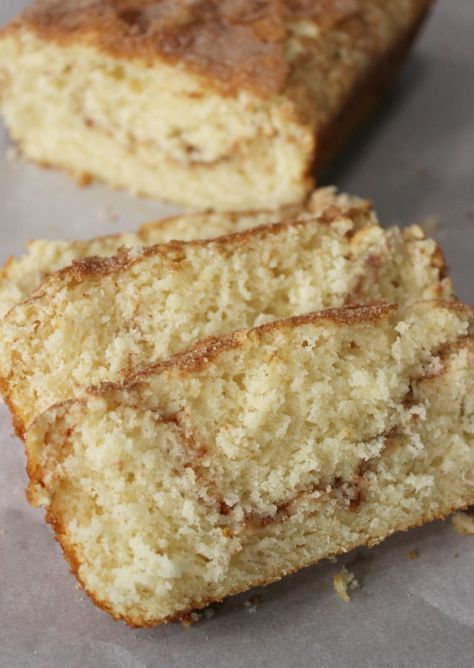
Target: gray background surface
[[416, 160]]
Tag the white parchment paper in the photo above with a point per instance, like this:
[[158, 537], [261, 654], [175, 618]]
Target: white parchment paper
[[416, 160]]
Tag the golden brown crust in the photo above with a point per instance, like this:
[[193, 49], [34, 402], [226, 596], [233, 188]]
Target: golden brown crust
[[146, 233], [18, 423], [175, 250], [5, 268], [204, 352], [429, 517], [355, 504], [200, 355], [254, 524], [286, 214], [238, 42], [74, 565], [328, 83], [233, 43], [364, 98]]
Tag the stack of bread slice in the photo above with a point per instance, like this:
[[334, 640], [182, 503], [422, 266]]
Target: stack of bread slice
[[204, 416]]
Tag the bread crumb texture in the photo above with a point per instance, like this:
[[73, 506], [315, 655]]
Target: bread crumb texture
[[344, 581], [258, 453], [101, 319], [233, 98]]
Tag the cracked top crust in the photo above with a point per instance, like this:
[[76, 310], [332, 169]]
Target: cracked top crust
[[239, 42]]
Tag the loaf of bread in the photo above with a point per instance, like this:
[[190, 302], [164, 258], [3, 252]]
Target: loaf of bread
[[19, 277], [259, 453], [102, 318], [229, 104]]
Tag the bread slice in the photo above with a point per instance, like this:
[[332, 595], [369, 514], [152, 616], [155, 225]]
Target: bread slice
[[18, 278], [259, 453], [100, 319], [229, 105]]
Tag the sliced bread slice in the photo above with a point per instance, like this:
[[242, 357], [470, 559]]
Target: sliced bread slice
[[19, 277], [259, 453], [101, 319]]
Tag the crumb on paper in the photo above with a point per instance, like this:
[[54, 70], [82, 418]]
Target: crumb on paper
[[251, 606], [414, 554], [252, 603], [463, 523], [84, 179], [188, 620], [196, 616], [430, 224], [343, 582]]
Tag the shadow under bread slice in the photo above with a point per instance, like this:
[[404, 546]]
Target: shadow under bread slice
[[259, 453], [19, 277], [102, 319]]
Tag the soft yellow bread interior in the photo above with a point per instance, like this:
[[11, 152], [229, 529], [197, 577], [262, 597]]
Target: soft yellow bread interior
[[105, 102], [156, 131], [19, 277], [101, 319], [259, 453]]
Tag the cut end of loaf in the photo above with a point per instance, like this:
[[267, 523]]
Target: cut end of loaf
[[100, 96], [151, 130]]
